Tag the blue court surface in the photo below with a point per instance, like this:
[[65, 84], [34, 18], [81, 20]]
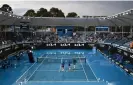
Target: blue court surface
[[91, 69]]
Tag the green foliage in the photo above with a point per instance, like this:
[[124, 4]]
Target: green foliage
[[6, 8], [72, 14], [30, 13], [55, 12], [42, 12]]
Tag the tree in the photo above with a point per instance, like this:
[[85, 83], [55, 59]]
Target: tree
[[72, 14], [60, 14], [6, 8], [30, 13], [55, 12], [42, 13]]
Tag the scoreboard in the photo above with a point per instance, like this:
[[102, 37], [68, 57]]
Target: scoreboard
[[102, 29], [24, 25]]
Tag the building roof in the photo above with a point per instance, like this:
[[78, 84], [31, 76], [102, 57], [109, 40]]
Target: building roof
[[120, 19]]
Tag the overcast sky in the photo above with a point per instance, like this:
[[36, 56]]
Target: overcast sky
[[90, 8]]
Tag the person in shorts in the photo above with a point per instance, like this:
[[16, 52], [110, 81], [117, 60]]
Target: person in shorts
[[74, 63], [69, 65], [62, 66]]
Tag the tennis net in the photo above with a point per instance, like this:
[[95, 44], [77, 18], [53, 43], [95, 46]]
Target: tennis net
[[60, 60]]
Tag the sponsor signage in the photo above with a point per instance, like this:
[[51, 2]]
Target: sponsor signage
[[79, 44], [50, 44], [78, 52], [65, 44]]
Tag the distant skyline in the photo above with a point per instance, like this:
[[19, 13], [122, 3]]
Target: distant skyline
[[90, 8]]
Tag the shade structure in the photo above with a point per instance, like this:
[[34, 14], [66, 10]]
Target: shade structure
[[120, 19]]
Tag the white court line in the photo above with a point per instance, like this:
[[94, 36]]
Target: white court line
[[46, 56], [91, 69], [83, 69], [60, 64], [25, 72], [36, 69], [58, 70], [65, 81]]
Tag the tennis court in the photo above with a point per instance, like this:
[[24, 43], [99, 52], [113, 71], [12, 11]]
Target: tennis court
[[91, 69], [47, 70]]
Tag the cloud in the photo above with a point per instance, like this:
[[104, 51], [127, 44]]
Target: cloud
[[91, 8], [20, 11]]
